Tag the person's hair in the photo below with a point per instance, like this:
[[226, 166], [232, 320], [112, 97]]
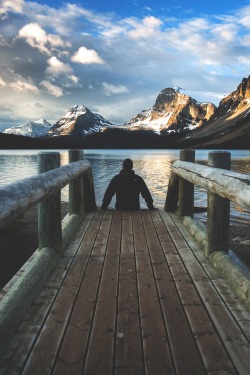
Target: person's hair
[[127, 164]]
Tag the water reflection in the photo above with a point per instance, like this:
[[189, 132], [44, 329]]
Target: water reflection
[[153, 165]]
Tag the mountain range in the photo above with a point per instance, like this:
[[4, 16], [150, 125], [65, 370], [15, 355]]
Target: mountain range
[[33, 129], [175, 121]]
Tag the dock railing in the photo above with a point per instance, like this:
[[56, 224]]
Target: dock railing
[[223, 186], [53, 236]]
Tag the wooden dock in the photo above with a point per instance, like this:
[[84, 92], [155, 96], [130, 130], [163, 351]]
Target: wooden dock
[[132, 294]]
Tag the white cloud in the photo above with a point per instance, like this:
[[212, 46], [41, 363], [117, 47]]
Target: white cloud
[[24, 86], [11, 5], [150, 26], [245, 59], [244, 17], [15, 5], [246, 40], [226, 33], [73, 78], [56, 67], [56, 41], [2, 83], [52, 89], [17, 82], [87, 56], [36, 37], [112, 89]]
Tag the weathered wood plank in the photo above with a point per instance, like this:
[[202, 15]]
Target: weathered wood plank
[[216, 181], [74, 347], [101, 346], [235, 307], [157, 355], [129, 357], [45, 350], [186, 356], [231, 335], [209, 343], [20, 346], [18, 197]]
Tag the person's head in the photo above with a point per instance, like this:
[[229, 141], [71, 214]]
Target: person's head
[[127, 164]]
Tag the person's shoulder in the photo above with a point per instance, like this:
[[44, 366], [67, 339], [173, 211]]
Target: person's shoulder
[[115, 177], [139, 179]]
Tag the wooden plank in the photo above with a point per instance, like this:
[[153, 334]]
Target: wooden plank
[[212, 351], [101, 346], [43, 355], [129, 358], [74, 347], [186, 356], [230, 333], [27, 332], [238, 311], [157, 356]]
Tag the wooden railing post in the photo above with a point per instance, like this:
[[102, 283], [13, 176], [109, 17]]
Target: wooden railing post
[[49, 210], [76, 189], [186, 188], [171, 202], [218, 209], [89, 191]]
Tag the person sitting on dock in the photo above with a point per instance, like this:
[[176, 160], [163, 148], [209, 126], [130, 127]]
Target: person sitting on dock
[[127, 186]]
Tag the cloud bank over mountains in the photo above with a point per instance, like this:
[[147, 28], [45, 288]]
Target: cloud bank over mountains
[[53, 58]]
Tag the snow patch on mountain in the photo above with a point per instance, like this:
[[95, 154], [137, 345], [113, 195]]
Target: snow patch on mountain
[[33, 129], [172, 112], [79, 120]]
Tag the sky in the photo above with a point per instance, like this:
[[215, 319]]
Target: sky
[[115, 57]]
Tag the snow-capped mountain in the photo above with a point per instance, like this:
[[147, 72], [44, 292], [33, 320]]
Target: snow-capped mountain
[[32, 129], [79, 120], [172, 112], [230, 124]]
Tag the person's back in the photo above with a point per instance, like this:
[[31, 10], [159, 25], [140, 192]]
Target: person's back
[[127, 186]]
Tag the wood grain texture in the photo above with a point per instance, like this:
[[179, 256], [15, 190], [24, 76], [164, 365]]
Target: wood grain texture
[[132, 296], [216, 181]]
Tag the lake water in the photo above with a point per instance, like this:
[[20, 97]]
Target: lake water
[[153, 165]]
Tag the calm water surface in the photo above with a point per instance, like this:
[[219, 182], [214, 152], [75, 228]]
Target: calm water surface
[[153, 165]]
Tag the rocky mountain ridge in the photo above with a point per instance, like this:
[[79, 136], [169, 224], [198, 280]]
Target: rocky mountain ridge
[[33, 129], [172, 112], [230, 123], [79, 120]]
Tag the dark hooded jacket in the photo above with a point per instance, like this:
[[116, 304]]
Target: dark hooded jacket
[[128, 186]]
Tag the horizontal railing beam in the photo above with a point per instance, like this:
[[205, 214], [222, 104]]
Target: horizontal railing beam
[[18, 197], [227, 184]]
